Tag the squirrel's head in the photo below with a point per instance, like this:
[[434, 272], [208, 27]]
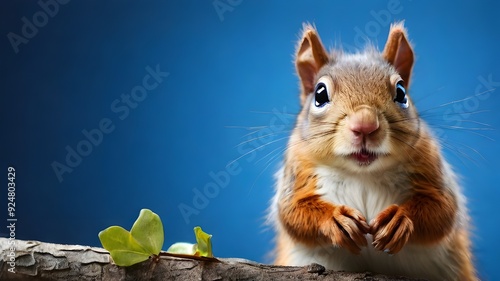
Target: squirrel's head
[[356, 112]]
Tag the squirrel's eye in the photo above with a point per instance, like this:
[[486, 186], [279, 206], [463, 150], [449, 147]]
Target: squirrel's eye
[[321, 95], [400, 98]]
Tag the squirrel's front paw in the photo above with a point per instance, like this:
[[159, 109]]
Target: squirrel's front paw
[[346, 228], [391, 229]]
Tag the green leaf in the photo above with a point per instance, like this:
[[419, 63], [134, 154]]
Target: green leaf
[[204, 245], [148, 231], [144, 239], [124, 249], [182, 248]]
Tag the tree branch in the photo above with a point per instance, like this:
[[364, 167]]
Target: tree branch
[[37, 261]]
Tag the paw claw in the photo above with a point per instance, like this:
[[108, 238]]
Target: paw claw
[[347, 229], [391, 230]]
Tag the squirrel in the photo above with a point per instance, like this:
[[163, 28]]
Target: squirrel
[[364, 185]]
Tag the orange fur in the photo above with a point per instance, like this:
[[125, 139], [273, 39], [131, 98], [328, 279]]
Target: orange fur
[[311, 221], [428, 214]]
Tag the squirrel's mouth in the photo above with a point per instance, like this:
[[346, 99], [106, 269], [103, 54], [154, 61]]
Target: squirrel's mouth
[[364, 157]]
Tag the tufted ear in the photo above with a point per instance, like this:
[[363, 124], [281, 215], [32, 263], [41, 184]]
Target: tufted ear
[[310, 57], [398, 51]]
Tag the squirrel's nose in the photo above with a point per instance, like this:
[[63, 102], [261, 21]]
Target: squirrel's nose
[[363, 121]]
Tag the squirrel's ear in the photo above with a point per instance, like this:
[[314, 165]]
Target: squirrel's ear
[[310, 57], [398, 51]]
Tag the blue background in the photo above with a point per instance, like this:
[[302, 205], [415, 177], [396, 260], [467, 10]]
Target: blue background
[[229, 73]]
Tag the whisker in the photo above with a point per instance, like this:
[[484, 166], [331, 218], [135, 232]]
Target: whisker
[[461, 155], [398, 132], [455, 113], [475, 151], [401, 140], [460, 100], [259, 175], [255, 129], [471, 132], [262, 137], [275, 113], [403, 120], [464, 128], [280, 149], [253, 150], [244, 127], [473, 122]]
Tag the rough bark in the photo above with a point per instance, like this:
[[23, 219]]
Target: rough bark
[[45, 261]]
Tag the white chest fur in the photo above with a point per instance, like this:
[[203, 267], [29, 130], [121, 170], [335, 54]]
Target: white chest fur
[[368, 194], [371, 195]]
